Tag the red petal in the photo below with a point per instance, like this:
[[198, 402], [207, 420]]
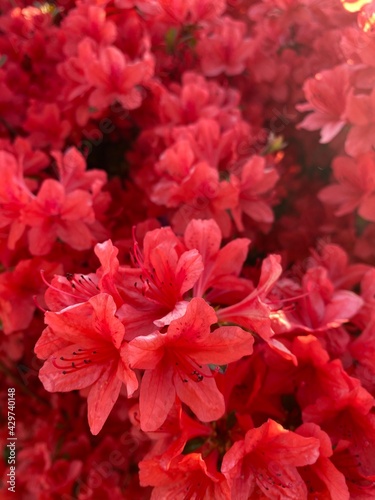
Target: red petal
[[146, 352], [202, 397], [189, 268], [93, 321], [195, 324], [205, 236], [54, 380], [157, 396], [101, 399], [224, 345]]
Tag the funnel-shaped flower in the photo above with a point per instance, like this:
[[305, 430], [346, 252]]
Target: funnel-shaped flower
[[83, 345], [177, 362]]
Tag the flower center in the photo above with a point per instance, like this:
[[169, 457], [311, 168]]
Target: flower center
[[187, 368], [81, 358]]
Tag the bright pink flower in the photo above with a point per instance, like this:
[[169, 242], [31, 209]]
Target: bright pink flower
[[186, 477], [361, 115], [253, 312], [267, 460], [14, 198], [32, 161], [221, 266], [176, 161], [348, 463], [255, 181], [71, 289], [84, 347], [56, 214], [341, 272], [322, 477], [73, 174], [87, 21], [192, 11], [145, 6], [155, 288], [321, 306], [364, 316], [46, 127], [177, 362], [362, 350], [211, 143], [327, 95], [114, 78], [169, 441], [17, 289], [316, 376], [198, 98], [226, 49], [77, 88], [356, 186], [200, 195], [348, 418]]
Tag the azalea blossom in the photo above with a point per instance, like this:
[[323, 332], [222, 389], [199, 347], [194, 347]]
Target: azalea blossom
[[84, 347], [267, 460], [185, 257], [178, 363], [356, 186], [359, 111], [53, 214], [327, 94]]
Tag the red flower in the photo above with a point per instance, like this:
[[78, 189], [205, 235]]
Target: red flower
[[177, 362], [327, 94], [156, 288], [71, 167], [17, 289], [32, 161], [56, 214], [46, 127], [356, 186], [341, 272], [192, 11], [253, 312], [114, 78], [200, 195], [267, 460], [14, 198], [226, 49], [360, 112], [187, 477], [198, 98], [348, 417], [321, 306], [255, 181], [169, 441], [322, 478], [84, 347], [87, 21], [221, 266], [362, 350]]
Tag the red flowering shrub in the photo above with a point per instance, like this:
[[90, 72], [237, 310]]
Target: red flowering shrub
[[187, 252]]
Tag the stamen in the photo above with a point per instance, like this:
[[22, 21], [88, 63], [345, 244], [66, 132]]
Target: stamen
[[82, 358], [38, 306], [187, 367], [152, 287], [55, 288]]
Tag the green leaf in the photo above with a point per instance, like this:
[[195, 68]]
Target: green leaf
[[218, 368], [170, 39], [193, 445]]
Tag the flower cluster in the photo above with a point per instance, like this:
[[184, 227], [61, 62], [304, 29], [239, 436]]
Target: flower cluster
[[187, 251]]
